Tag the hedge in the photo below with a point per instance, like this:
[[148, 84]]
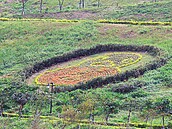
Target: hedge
[[135, 22]]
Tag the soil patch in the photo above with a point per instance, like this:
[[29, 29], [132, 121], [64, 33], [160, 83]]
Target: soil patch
[[66, 15]]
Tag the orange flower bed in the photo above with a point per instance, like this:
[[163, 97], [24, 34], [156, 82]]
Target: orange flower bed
[[74, 75]]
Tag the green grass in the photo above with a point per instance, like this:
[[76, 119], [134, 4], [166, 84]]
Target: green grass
[[31, 39], [109, 9], [144, 12], [23, 43]]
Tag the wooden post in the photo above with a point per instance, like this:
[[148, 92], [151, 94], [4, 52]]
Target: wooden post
[[51, 89]]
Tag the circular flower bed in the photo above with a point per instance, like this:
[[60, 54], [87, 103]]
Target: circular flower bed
[[88, 68]]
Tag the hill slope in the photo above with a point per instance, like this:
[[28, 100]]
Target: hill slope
[[23, 43], [109, 9]]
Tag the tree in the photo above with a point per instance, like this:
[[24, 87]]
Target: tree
[[21, 99], [111, 107], [163, 107], [148, 109], [84, 102], [131, 104], [4, 97], [38, 101], [109, 104], [23, 6], [76, 98], [81, 3], [88, 108], [70, 114], [61, 2]]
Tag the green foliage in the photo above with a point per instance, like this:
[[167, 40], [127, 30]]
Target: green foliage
[[170, 123], [138, 93], [163, 105]]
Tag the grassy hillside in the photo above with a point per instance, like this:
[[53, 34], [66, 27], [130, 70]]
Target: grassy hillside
[[24, 43], [109, 9], [143, 102], [144, 12]]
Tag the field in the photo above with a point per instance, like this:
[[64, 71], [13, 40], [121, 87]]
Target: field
[[86, 73]]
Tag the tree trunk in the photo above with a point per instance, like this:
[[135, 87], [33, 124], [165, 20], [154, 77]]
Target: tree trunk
[[20, 111], [163, 122], [78, 127], [51, 105], [60, 7], [23, 7], [83, 3], [129, 115], [147, 118], [41, 6], [117, 5], [98, 3], [91, 118], [61, 4], [1, 110], [4, 63], [107, 117], [80, 3], [152, 120]]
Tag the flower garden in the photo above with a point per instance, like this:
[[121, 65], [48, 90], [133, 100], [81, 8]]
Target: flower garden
[[88, 68]]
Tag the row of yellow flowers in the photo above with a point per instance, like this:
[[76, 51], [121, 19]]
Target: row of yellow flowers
[[112, 21], [115, 21], [130, 61], [36, 19]]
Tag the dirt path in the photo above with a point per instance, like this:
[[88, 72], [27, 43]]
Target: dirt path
[[67, 15]]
